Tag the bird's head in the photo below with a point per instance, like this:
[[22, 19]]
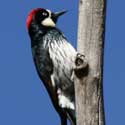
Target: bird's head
[[43, 17]]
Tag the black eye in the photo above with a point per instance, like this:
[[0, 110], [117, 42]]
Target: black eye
[[44, 13]]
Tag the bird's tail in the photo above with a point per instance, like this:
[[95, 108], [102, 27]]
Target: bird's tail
[[71, 116]]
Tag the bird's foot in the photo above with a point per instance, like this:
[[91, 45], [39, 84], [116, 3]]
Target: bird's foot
[[80, 61], [81, 65]]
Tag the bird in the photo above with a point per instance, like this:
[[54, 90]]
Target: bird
[[54, 59]]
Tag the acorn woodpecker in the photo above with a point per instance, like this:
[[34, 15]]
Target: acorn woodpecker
[[54, 59]]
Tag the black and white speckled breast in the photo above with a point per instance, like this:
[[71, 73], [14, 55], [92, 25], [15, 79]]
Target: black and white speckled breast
[[62, 55]]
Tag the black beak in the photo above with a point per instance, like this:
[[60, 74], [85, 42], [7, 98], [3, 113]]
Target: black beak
[[56, 15]]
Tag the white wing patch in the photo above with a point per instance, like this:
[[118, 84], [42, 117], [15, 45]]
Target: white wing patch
[[64, 102]]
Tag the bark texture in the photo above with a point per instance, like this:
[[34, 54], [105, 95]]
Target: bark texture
[[89, 92]]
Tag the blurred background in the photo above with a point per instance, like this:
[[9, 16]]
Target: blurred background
[[23, 98]]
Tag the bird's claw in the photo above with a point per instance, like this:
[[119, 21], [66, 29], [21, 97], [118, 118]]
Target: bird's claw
[[80, 61], [81, 65]]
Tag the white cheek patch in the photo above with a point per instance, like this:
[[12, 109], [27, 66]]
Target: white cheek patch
[[48, 22], [64, 102]]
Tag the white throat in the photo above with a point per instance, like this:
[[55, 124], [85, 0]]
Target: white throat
[[48, 21]]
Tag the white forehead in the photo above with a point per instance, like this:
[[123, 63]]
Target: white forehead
[[49, 12]]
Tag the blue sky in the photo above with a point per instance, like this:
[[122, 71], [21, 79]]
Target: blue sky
[[23, 99]]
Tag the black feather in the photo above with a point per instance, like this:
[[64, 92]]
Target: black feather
[[53, 55]]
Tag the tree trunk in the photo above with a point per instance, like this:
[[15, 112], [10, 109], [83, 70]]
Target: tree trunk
[[88, 89]]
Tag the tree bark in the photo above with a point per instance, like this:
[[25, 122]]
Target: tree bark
[[89, 89]]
